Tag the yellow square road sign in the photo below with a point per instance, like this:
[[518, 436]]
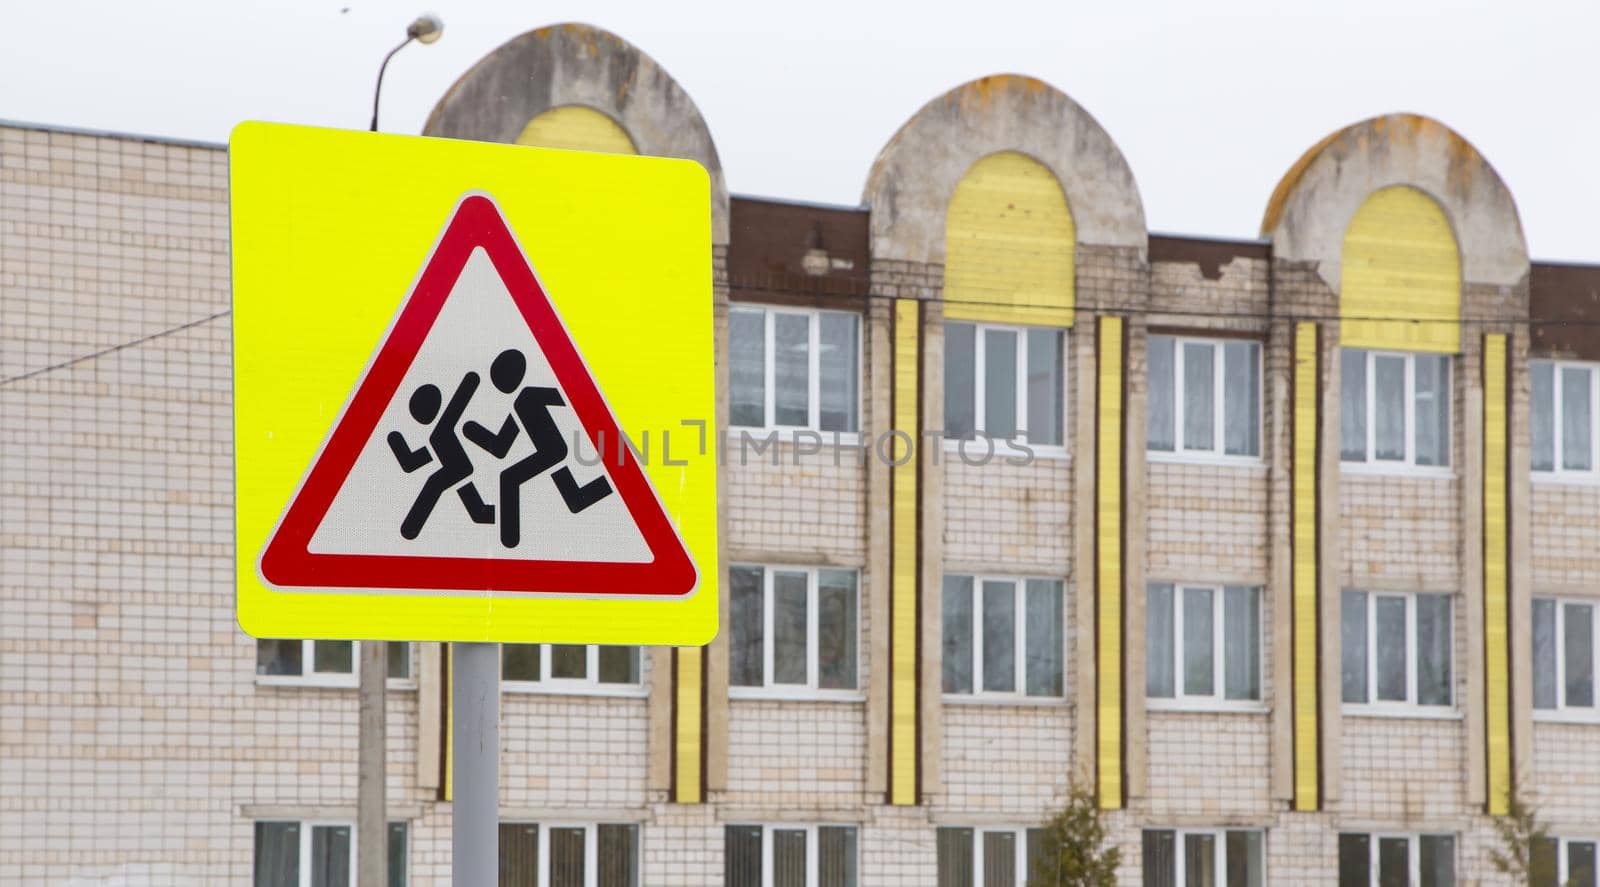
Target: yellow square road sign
[[473, 391]]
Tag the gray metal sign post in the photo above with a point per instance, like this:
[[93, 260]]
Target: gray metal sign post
[[475, 735]]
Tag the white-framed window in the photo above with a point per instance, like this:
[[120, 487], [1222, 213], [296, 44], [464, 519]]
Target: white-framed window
[[1394, 408], [1565, 408], [1203, 643], [571, 668], [1003, 636], [1203, 858], [322, 663], [1378, 860], [1563, 862], [793, 631], [1205, 397], [987, 856], [569, 854], [311, 853], [789, 855], [794, 368], [1396, 649], [1005, 382], [1564, 656]]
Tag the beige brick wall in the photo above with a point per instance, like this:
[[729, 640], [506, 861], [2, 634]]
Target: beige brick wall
[[1400, 533], [1403, 769], [1001, 758], [796, 755], [1566, 550], [1207, 764], [795, 506], [1207, 523]]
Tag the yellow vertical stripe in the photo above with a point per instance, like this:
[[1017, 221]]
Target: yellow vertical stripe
[[1306, 778], [1496, 589], [1009, 244], [1108, 567], [686, 742], [577, 128], [1399, 264], [903, 590]]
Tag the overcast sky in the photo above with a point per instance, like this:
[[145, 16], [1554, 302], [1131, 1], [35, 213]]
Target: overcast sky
[[1210, 101]]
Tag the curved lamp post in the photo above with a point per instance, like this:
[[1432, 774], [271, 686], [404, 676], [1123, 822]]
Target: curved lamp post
[[426, 29]]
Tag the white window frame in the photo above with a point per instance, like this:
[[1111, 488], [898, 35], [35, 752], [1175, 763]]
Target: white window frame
[[810, 689], [306, 827], [309, 677], [1218, 453], [591, 848], [589, 685], [1019, 841], [1563, 711], [1563, 868], [813, 369], [1410, 708], [1413, 851], [1408, 465], [1019, 586], [1217, 700], [1220, 837], [813, 846], [1557, 472], [979, 373]]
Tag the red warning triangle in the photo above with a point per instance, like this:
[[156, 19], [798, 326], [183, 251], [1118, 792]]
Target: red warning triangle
[[458, 489]]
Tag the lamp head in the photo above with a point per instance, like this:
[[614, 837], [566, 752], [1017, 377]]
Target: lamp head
[[426, 29]]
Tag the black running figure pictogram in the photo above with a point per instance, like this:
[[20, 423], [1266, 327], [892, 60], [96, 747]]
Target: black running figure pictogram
[[531, 408], [445, 445]]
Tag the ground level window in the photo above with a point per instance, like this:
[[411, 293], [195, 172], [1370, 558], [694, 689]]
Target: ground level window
[[1397, 860], [292, 853], [534, 854], [328, 663], [987, 857], [1563, 862], [1203, 858], [789, 856], [569, 666]]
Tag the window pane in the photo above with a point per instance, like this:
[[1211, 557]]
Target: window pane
[[1199, 393], [837, 368], [746, 635], [1199, 860], [958, 634], [333, 657], [569, 661], [1199, 664], [397, 854], [1353, 405], [519, 854], [836, 629], [1000, 636], [1544, 653], [618, 855], [1241, 630], [1389, 407], [1354, 861], [1159, 641], [619, 665], [1159, 422], [1437, 854], [330, 856], [1580, 864], [519, 662], [999, 859], [788, 858], [788, 628], [398, 659], [1577, 420], [279, 657], [1038, 851], [1544, 863], [747, 367], [1542, 405], [1577, 638], [566, 857], [1353, 646], [277, 854], [1000, 383], [1389, 643], [1433, 649], [1394, 862], [1044, 386], [960, 379], [955, 857], [791, 347], [741, 856], [1043, 626], [1245, 860], [1433, 409], [1241, 399], [836, 856], [1160, 859]]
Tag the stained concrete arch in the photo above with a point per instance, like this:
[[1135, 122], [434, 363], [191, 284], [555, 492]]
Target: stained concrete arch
[[577, 64]]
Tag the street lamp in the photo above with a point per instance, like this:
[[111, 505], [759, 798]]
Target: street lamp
[[426, 29]]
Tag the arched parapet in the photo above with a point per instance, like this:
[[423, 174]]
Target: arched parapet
[[580, 66]]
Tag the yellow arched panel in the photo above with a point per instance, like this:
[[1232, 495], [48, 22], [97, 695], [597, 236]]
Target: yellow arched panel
[[577, 128], [1400, 284], [1009, 245]]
